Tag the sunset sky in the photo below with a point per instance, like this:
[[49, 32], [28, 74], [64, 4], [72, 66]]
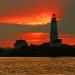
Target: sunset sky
[[20, 16]]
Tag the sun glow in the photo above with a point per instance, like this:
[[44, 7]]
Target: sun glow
[[40, 19]]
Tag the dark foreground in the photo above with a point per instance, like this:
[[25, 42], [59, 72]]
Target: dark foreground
[[39, 51]]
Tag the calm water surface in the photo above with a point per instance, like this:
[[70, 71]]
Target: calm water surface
[[37, 65]]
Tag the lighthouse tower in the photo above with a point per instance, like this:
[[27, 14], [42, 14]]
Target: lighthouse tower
[[54, 31]]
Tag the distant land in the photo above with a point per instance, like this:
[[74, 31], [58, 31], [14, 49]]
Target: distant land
[[21, 49]]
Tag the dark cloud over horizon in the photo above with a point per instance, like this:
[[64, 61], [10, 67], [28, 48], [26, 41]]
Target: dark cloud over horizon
[[29, 7]]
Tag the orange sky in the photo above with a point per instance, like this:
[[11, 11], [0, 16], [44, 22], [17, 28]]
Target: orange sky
[[15, 13], [36, 19], [38, 38], [38, 12]]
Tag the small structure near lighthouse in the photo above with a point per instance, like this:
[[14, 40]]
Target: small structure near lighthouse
[[54, 32], [20, 44]]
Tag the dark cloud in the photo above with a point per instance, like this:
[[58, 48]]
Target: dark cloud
[[12, 28], [25, 7], [28, 7], [7, 31]]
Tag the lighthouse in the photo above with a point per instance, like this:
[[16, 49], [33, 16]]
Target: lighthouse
[[54, 40]]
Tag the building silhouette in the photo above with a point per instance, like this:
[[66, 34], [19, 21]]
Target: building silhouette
[[54, 48], [20, 44], [54, 32]]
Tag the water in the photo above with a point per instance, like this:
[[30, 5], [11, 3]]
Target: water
[[37, 65]]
